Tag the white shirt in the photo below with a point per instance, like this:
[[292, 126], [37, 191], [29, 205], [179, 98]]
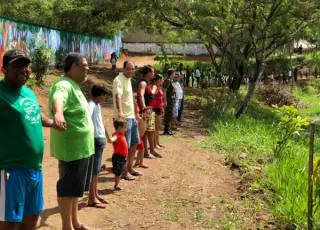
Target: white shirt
[[179, 92], [198, 74], [122, 87], [95, 114]]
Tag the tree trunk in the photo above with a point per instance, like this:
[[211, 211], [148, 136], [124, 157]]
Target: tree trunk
[[251, 89], [212, 55], [235, 84], [238, 74]]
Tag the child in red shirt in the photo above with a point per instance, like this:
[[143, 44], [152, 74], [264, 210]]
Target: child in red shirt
[[142, 118], [120, 150]]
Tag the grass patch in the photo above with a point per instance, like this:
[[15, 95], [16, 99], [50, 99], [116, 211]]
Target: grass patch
[[173, 214], [249, 143]]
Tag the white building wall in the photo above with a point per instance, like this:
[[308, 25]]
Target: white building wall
[[153, 48]]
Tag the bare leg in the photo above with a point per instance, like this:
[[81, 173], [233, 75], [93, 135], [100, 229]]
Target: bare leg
[[138, 160], [157, 137], [92, 192], [151, 142], [9, 226], [29, 222], [116, 182], [132, 151], [75, 220], [145, 142], [65, 205]]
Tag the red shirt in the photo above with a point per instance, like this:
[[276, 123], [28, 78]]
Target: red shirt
[[157, 102], [120, 146]]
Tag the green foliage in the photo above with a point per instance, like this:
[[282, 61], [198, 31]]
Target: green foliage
[[288, 178], [250, 140], [41, 59], [289, 125]]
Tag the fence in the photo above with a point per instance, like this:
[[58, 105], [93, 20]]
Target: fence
[[24, 36]]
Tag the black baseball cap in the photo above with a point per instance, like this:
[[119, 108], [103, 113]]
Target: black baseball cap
[[13, 55]]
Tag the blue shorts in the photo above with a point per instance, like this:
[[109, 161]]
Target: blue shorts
[[132, 134], [21, 194]]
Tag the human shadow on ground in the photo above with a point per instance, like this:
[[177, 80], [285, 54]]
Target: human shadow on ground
[[45, 215]]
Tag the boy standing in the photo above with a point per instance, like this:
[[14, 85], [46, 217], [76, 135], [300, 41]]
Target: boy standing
[[98, 94], [120, 150]]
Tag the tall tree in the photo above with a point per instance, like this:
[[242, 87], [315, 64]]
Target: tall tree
[[244, 31]]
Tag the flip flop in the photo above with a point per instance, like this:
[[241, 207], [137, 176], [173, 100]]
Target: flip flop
[[128, 177], [143, 166], [157, 155], [97, 205], [103, 201], [150, 156], [82, 227], [135, 173], [117, 188]]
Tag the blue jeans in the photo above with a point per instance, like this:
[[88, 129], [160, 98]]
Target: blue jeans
[[99, 144], [132, 134]]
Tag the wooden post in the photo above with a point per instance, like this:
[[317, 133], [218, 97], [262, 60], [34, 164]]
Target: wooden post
[[310, 184]]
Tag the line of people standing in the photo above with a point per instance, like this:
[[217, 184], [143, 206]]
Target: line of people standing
[[77, 137]]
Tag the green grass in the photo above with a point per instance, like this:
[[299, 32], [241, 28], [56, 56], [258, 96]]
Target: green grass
[[253, 136], [309, 94]]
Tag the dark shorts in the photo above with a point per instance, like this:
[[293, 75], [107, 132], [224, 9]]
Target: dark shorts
[[158, 111], [73, 178], [99, 144], [118, 163]]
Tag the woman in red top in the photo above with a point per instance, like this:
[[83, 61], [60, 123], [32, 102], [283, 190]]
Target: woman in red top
[[157, 105]]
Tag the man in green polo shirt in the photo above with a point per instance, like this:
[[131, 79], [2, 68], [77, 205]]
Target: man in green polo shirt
[[21, 146], [73, 146]]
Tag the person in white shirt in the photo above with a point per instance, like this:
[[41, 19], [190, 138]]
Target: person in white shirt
[[98, 94], [198, 76], [179, 96]]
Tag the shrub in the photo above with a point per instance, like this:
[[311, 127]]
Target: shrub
[[277, 96], [41, 58]]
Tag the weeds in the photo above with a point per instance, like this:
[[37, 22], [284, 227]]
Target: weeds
[[249, 142]]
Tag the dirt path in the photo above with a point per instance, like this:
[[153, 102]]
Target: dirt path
[[187, 189], [183, 190]]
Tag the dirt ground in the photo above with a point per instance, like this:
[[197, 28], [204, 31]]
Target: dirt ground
[[187, 189]]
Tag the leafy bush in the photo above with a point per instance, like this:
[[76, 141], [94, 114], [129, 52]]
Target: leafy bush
[[41, 59], [250, 141], [277, 96], [290, 124]]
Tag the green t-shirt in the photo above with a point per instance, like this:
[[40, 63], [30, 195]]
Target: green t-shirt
[[77, 141], [21, 137]]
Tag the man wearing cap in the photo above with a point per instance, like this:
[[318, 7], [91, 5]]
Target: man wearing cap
[[22, 146]]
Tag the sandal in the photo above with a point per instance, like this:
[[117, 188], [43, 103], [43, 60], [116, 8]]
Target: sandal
[[97, 205]]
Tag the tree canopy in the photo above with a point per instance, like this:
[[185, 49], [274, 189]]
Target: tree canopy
[[246, 32]]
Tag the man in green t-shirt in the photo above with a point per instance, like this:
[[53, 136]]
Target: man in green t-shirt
[[75, 144], [22, 146]]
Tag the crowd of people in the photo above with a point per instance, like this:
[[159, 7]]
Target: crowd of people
[[77, 135]]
